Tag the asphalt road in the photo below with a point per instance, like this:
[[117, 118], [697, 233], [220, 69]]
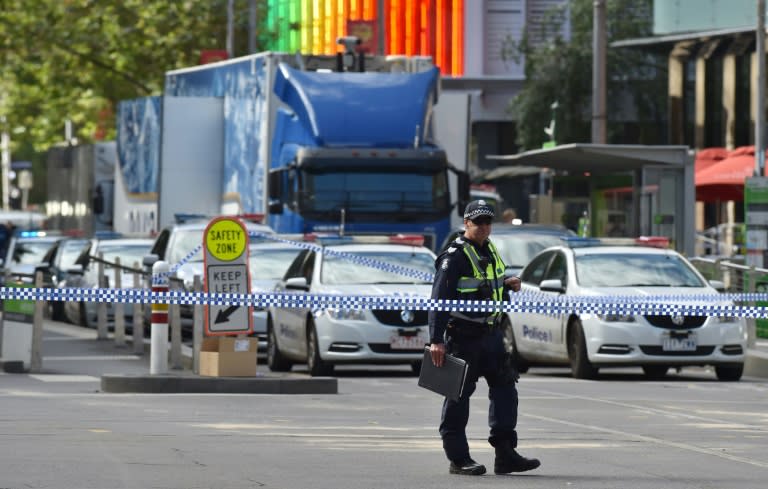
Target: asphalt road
[[58, 431]]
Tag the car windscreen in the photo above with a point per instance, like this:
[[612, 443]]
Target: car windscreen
[[270, 264], [634, 270], [69, 251], [129, 254], [342, 271], [184, 242], [518, 249], [30, 251]]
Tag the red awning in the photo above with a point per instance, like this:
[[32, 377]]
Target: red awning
[[724, 180], [709, 156]]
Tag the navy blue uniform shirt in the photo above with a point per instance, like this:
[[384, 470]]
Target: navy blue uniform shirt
[[449, 266]]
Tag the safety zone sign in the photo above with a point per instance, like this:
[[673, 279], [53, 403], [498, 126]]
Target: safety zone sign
[[226, 272]]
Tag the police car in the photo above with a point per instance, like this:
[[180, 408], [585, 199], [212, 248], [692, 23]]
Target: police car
[[176, 244], [267, 263], [588, 342], [324, 338]]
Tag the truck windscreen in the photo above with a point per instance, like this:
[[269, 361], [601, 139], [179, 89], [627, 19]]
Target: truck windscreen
[[387, 195]]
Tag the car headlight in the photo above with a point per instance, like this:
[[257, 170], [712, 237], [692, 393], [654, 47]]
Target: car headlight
[[616, 318], [346, 314], [726, 319]]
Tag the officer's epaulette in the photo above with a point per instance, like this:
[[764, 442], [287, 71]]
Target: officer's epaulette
[[457, 244]]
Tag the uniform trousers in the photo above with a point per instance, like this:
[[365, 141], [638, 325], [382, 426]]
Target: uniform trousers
[[486, 357]]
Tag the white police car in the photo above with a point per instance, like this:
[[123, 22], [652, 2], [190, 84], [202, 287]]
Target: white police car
[[323, 338], [267, 263], [589, 342]]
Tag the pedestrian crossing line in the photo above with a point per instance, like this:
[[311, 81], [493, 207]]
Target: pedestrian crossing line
[[80, 358], [64, 378]]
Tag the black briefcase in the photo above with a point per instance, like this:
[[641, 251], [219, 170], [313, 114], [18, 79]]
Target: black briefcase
[[447, 380]]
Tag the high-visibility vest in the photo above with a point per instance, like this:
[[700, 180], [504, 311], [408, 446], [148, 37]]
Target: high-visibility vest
[[467, 287]]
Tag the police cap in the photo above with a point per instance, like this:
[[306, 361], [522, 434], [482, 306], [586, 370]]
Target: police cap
[[478, 208]]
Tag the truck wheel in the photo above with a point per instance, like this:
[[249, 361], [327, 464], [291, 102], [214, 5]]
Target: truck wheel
[[729, 373], [275, 359], [317, 367], [581, 367]]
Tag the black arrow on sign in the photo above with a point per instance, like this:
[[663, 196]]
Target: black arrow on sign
[[223, 315]]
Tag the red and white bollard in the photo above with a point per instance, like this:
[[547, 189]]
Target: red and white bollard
[[158, 353]]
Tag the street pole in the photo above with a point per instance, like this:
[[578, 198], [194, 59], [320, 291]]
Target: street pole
[[5, 162], [381, 21], [760, 110], [252, 27], [230, 28], [598, 73]]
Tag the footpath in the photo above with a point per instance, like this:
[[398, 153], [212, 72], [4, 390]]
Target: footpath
[[74, 352]]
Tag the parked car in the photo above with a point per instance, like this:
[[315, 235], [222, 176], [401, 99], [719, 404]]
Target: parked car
[[176, 242], [26, 253], [59, 260], [518, 243], [588, 342], [84, 274], [267, 263], [322, 339]]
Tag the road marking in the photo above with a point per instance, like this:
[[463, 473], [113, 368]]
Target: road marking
[[665, 412], [651, 439], [90, 357], [63, 378]]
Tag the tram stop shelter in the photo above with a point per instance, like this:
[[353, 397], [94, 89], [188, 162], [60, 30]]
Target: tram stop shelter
[[623, 191]]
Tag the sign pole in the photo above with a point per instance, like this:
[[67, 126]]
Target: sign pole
[[158, 359]]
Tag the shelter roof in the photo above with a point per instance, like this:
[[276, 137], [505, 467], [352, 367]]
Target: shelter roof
[[599, 158]]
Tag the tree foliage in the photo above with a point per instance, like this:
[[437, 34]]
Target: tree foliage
[[560, 70], [75, 59]]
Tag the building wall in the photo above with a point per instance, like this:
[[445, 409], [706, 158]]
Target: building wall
[[464, 37], [678, 16]]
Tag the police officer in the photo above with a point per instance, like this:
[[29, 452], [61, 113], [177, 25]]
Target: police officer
[[471, 269]]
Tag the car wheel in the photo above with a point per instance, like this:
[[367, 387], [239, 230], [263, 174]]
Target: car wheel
[[315, 364], [275, 359], [577, 352], [84, 321], [510, 346], [416, 367], [57, 311], [655, 371], [729, 373]]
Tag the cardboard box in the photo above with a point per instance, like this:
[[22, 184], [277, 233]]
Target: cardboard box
[[228, 356]]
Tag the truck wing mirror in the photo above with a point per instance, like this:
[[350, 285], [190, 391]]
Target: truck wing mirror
[[463, 192], [276, 207], [276, 185]]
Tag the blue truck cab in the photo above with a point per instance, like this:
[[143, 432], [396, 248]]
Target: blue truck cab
[[351, 152], [311, 146]]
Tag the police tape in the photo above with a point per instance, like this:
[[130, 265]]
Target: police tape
[[353, 257], [523, 303]]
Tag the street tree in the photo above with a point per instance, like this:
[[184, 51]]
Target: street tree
[[558, 72]]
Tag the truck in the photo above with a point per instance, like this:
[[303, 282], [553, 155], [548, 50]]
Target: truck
[[313, 143], [89, 192]]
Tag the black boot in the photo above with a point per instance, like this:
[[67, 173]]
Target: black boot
[[466, 466], [508, 460]]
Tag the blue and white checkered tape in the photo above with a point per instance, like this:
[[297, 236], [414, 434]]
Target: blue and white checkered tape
[[716, 305], [359, 259]]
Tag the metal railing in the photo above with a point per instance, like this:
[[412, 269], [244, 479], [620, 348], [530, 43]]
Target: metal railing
[[738, 278]]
